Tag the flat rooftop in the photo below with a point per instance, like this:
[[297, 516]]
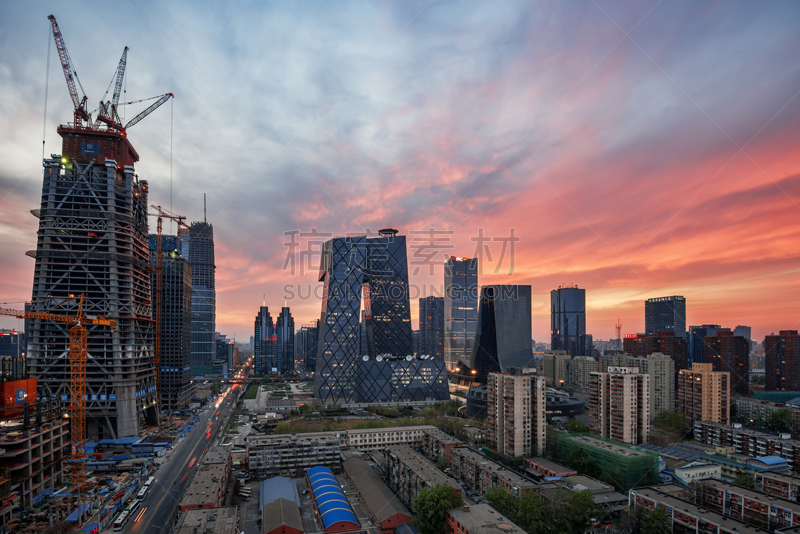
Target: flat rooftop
[[421, 466], [217, 455], [210, 520], [612, 447], [203, 489], [550, 465], [380, 499], [360, 431], [751, 494], [444, 437], [483, 519], [513, 478], [285, 439]]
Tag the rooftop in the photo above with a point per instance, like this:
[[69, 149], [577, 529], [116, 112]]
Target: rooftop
[[511, 477], [616, 448], [483, 519], [422, 467], [751, 494], [444, 437], [770, 460], [281, 512], [379, 498], [278, 488], [211, 520], [301, 439], [203, 489], [419, 428], [217, 455], [550, 465]]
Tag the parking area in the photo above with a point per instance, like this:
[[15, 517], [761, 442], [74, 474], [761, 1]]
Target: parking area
[[249, 509]]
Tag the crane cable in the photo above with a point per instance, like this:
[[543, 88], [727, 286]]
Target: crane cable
[[46, 87]]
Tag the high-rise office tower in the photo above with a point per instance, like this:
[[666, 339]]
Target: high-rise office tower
[[515, 414], [782, 361], [731, 354], [743, 331], [696, 340], [619, 404], [284, 333], [265, 342], [176, 321], [665, 314], [503, 339], [416, 342], [431, 327], [568, 320], [307, 346], [92, 240], [704, 394], [345, 372], [667, 343], [460, 309], [204, 295]]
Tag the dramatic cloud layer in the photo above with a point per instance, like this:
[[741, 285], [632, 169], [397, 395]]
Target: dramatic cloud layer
[[637, 150]]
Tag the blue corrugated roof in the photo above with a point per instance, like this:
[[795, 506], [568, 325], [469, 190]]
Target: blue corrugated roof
[[73, 517], [771, 460], [121, 441], [276, 488], [91, 527], [332, 504]]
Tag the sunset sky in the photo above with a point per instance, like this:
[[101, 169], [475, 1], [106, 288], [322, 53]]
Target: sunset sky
[[636, 149]]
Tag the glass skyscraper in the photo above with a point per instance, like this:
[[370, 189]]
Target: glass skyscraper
[[204, 294], [460, 309], [265, 342], [306, 343], [284, 334], [431, 327], [568, 320], [384, 370], [665, 314]]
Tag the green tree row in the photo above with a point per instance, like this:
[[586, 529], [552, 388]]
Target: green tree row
[[566, 512]]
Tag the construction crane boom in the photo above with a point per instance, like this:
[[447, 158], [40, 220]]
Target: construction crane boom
[[149, 110], [118, 85], [77, 387], [71, 75]]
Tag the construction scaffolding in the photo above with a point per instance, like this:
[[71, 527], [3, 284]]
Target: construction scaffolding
[[622, 465]]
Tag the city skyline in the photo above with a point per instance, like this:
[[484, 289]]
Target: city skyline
[[626, 150]]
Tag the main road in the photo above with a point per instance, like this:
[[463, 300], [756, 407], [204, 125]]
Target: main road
[[174, 475]]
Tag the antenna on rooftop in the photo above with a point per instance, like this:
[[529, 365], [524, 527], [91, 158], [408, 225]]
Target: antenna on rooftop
[[204, 207]]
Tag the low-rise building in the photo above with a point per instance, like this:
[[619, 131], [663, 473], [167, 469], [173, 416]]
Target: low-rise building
[[473, 436], [281, 516], [548, 468], [367, 439], [437, 444], [292, 454], [210, 482], [483, 474], [749, 442], [408, 472], [209, 521], [745, 505], [383, 507], [755, 412], [694, 471], [780, 485], [479, 519]]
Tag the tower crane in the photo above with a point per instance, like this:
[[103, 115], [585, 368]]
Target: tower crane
[[107, 112], [77, 385], [180, 220]]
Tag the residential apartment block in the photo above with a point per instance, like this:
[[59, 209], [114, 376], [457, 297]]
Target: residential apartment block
[[437, 444], [748, 442], [515, 423], [479, 519], [579, 370], [408, 472], [292, 454], [483, 474], [210, 483], [661, 369], [746, 505], [367, 439], [555, 368], [619, 405], [778, 484], [704, 394]]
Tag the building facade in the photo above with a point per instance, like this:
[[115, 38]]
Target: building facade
[[92, 241], [292, 454], [664, 342], [704, 394], [782, 361], [665, 314], [619, 404], [408, 472], [204, 294], [265, 342], [516, 417], [568, 320], [696, 340], [284, 337], [306, 343], [661, 369], [460, 309], [731, 354], [555, 368], [176, 390], [579, 370], [431, 327]]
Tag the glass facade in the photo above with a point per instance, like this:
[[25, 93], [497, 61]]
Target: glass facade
[[284, 337], [264, 342], [384, 369], [306, 342], [460, 309], [431, 327], [204, 295], [568, 320], [665, 314]]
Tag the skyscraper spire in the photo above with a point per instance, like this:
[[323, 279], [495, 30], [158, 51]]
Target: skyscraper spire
[[204, 208]]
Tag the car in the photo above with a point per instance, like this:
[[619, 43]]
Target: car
[[305, 492]]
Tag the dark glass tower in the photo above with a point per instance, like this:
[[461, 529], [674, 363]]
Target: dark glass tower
[[730, 353], [176, 321], [460, 309], [665, 314], [504, 331], [284, 334], [204, 295], [265, 341], [386, 370], [431, 327], [782, 361], [696, 340], [307, 346], [568, 320]]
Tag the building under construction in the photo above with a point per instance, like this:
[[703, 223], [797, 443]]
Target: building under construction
[[92, 241]]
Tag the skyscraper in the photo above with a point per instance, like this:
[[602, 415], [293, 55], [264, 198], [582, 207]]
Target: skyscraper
[[431, 326], [284, 333], [460, 309], [503, 339], [516, 415], [92, 240], [176, 321], [345, 372], [782, 361], [667, 343], [307, 346], [731, 354], [696, 339], [619, 404], [265, 342], [568, 320], [665, 314], [204, 295]]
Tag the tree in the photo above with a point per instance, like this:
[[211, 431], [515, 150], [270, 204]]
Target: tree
[[581, 462], [503, 502], [432, 505], [215, 389], [577, 426], [758, 380], [780, 420], [657, 522], [672, 422], [745, 480], [441, 463]]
